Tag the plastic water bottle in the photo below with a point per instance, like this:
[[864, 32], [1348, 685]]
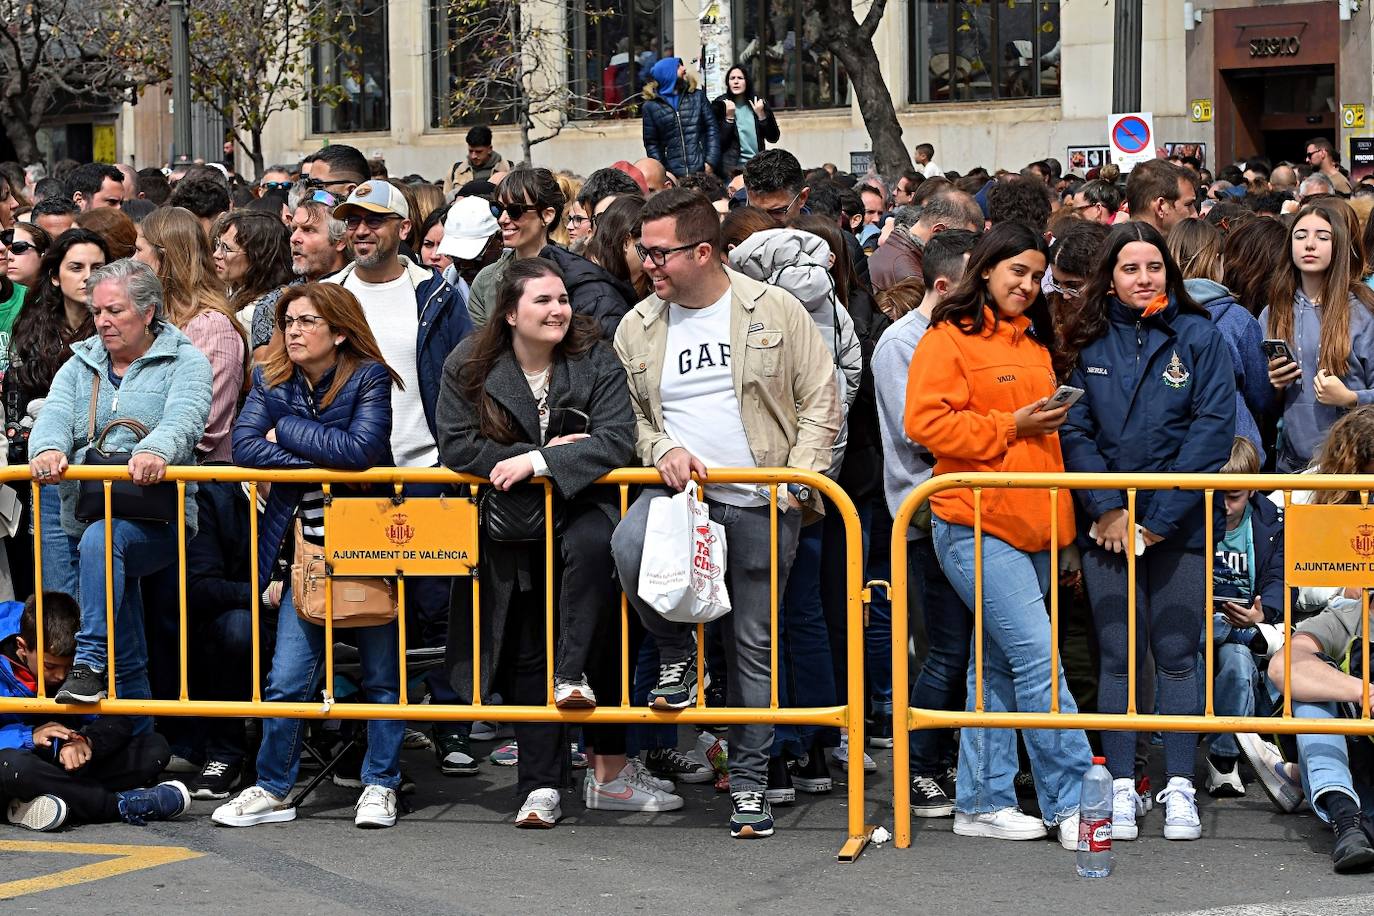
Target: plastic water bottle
[[1095, 822]]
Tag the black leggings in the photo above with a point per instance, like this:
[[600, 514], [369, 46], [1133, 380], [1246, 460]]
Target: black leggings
[[90, 792]]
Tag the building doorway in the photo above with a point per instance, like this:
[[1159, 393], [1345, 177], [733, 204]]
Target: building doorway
[[1275, 112]]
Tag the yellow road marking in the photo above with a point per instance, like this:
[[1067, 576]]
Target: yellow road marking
[[126, 859]]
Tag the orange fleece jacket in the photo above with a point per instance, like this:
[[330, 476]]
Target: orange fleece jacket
[[961, 393]]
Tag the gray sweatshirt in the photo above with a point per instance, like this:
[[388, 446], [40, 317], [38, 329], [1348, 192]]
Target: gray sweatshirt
[[903, 467]]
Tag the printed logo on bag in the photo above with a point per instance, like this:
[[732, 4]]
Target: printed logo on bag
[[400, 531], [1363, 541], [1175, 375], [702, 563]]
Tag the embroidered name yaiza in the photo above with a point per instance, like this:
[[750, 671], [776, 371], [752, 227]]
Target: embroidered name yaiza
[[1175, 375], [1097, 370], [1006, 378]]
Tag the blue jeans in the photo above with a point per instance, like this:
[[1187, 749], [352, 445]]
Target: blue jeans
[[878, 633], [297, 676], [941, 681], [60, 570], [1323, 759], [1233, 691], [1016, 677], [805, 676], [137, 549]]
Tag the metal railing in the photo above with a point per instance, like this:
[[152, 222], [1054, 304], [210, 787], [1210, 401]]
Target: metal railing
[[846, 714], [1131, 720]]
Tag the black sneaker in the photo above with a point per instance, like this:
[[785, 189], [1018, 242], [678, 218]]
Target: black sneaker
[[1353, 852], [928, 799], [780, 789], [677, 685], [83, 685], [348, 774], [165, 801], [750, 815], [671, 764], [455, 755], [216, 780], [811, 773], [880, 731]]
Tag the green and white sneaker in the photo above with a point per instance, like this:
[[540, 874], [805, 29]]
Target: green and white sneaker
[[750, 816]]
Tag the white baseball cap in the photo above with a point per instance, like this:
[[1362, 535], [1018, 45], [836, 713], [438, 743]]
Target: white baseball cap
[[468, 228], [374, 197]]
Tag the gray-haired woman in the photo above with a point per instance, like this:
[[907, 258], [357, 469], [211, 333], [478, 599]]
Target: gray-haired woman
[[141, 368]]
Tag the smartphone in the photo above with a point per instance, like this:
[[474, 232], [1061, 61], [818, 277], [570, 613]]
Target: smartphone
[[1220, 601], [1277, 349], [1065, 396]]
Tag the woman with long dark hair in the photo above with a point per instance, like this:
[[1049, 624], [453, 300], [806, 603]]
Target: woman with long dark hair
[[536, 393], [322, 398], [54, 317], [978, 399], [746, 121], [1320, 307], [1160, 396], [612, 245], [253, 259]]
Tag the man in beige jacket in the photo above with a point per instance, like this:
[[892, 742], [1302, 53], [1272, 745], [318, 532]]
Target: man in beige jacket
[[724, 371]]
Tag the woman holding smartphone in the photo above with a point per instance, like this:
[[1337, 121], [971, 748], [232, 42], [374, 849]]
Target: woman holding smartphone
[[978, 399], [1160, 396], [1324, 317]]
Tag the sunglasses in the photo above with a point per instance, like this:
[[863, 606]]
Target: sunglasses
[[374, 221], [277, 185], [514, 211]]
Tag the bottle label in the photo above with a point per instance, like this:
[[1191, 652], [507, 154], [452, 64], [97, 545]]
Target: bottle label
[[1095, 836]]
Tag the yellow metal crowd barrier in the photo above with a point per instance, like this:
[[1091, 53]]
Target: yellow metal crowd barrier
[[847, 714], [1324, 545]]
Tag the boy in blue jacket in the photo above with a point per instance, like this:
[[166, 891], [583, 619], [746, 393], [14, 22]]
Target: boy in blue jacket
[[1247, 601], [79, 769]]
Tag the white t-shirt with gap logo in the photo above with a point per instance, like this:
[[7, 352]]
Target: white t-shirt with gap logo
[[391, 314], [700, 410]]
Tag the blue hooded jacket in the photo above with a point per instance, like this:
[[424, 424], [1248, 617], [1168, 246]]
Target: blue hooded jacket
[[665, 74], [1160, 397], [1243, 335], [680, 129]]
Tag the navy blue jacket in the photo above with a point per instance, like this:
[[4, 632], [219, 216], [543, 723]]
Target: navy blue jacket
[[353, 433], [444, 322], [218, 569], [1160, 397], [1266, 531], [685, 139]]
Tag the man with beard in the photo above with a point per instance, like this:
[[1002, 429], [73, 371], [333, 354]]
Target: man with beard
[[319, 244]]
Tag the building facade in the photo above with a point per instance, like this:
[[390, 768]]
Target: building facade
[[997, 83]]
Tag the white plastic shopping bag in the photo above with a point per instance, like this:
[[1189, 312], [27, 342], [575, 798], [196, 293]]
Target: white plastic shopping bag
[[682, 572]]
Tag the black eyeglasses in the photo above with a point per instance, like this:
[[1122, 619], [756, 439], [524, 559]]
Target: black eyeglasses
[[315, 184], [659, 256], [575, 220], [514, 211], [783, 211], [374, 221]]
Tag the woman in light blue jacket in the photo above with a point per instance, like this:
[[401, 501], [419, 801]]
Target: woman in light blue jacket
[[141, 369]]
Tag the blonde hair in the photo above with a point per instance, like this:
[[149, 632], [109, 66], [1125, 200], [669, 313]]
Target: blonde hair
[[570, 187], [1348, 449], [1244, 458], [1196, 245], [186, 268]]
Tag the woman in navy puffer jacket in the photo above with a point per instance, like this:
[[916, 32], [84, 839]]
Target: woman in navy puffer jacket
[[322, 398]]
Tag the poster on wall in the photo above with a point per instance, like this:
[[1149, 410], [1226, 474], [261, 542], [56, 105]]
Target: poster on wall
[[1196, 150], [1083, 158], [716, 57], [1361, 157]]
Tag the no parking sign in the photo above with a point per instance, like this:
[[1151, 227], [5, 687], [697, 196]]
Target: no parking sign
[[1131, 138]]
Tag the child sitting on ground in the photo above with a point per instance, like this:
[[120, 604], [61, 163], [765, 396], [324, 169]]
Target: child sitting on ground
[[75, 769]]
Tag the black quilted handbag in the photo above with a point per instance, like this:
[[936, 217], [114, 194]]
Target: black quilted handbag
[[516, 516]]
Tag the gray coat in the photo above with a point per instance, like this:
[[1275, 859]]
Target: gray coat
[[593, 383]]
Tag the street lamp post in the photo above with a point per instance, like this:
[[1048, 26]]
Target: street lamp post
[[181, 79], [1126, 53]]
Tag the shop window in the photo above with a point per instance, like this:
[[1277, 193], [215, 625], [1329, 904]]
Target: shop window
[[973, 50], [359, 67], [466, 48], [612, 45], [779, 42]]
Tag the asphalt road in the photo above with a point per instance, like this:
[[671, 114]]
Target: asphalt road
[[457, 853]]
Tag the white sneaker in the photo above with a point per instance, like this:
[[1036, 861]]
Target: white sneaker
[[1269, 640], [841, 756], [254, 805], [573, 694], [1003, 824], [643, 775], [1224, 784], [1124, 800], [1068, 832], [541, 810], [1264, 758], [376, 808], [1180, 810], [628, 793], [44, 813]]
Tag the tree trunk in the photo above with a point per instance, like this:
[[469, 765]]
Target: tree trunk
[[255, 153], [23, 136], [853, 45]]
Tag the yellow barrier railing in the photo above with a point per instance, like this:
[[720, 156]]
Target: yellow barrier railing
[[1210, 485], [846, 714]]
